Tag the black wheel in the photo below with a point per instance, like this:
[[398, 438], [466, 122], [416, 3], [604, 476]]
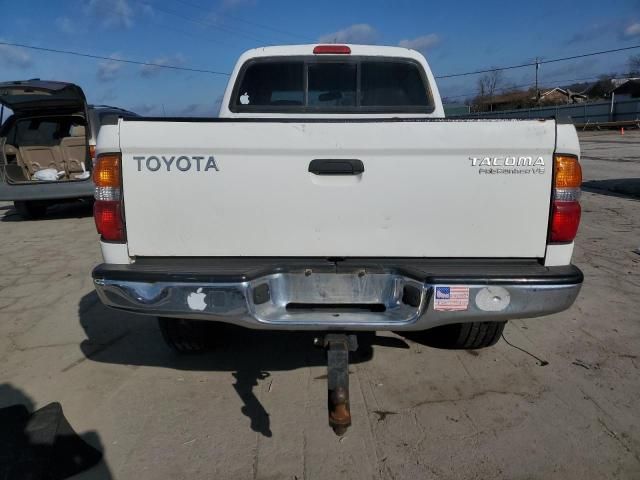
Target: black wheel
[[184, 336], [460, 336], [31, 209]]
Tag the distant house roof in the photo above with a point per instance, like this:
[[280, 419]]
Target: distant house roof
[[563, 92], [603, 87], [504, 98], [629, 87], [617, 82]]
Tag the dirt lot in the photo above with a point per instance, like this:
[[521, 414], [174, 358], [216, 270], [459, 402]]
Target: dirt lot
[[256, 409]]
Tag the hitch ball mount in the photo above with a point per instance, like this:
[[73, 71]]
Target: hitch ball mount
[[338, 346]]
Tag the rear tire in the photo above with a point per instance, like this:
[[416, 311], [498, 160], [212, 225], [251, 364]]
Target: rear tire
[[30, 209], [460, 336], [184, 336]]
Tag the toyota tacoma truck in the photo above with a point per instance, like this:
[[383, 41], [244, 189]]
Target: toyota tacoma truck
[[332, 195]]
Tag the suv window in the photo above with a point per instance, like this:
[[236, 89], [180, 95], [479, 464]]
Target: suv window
[[41, 131], [357, 84]]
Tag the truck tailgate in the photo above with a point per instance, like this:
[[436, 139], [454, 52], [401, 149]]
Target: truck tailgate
[[430, 188]]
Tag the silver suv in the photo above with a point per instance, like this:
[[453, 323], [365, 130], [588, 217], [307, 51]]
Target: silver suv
[[47, 145]]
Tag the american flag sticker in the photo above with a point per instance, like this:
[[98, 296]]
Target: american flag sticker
[[451, 299]]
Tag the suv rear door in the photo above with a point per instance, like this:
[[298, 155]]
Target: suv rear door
[[48, 108], [28, 96]]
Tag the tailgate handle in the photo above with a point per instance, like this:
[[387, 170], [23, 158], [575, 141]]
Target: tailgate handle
[[336, 167]]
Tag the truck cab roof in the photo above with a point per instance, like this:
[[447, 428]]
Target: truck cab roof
[[307, 49]]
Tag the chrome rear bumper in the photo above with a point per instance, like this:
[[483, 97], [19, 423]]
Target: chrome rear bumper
[[358, 299]]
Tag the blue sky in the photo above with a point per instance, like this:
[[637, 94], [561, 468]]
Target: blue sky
[[455, 36]]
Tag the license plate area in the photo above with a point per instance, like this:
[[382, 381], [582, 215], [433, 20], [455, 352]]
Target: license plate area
[[336, 307], [338, 298]]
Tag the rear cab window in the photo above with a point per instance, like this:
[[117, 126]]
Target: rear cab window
[[313, 85]]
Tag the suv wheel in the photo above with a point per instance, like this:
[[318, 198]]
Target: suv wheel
[[460, 336], [30, 209]]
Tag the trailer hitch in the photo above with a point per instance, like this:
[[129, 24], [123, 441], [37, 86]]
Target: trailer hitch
[[338, 346]]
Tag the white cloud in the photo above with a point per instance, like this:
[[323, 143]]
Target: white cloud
[[108, 95], [112, 13], [422, 43], [14, 57], [198, 110], [231, 4], [150, 70], [218, 103], [108, 70], [632, 30], [147, 10], [359, 33], [65, 25], [147, 109]]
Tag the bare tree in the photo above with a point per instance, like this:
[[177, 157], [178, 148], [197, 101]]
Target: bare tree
[[634, 64], [488, 84]]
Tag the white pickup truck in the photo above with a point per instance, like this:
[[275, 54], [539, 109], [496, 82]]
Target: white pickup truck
[[333, 195]]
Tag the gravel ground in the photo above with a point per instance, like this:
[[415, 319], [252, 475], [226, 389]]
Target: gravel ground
[[256, 408]]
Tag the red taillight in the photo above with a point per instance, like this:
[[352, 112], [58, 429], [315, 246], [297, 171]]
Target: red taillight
[[108, 217], [565, 218], [332, 49], [565, 209], [107, 209]]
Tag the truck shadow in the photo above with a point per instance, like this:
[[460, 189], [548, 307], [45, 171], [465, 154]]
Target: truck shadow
[[618, 187], [128, 339], [71, 209]]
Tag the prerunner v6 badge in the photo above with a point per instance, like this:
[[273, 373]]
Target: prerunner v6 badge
[[510, 165]]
